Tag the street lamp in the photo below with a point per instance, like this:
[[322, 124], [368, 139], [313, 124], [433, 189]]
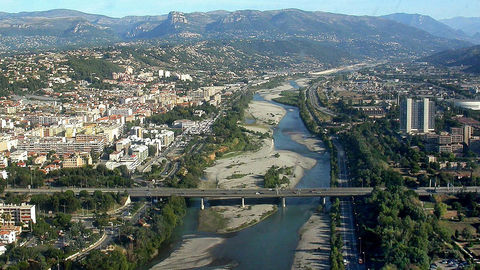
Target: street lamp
[[360, 239]]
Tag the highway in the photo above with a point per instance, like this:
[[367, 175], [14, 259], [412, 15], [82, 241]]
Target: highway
[[347, 220], [243, 193], [314, 100]]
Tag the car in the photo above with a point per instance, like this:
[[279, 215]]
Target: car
[[257, 193]]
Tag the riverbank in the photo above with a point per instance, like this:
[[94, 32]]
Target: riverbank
[[194, 252], [313, 250]]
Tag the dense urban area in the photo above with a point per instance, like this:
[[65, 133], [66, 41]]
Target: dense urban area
[[89, 136]]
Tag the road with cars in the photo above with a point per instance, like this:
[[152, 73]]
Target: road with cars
[[347, 228], [243, 193], [312, 95]]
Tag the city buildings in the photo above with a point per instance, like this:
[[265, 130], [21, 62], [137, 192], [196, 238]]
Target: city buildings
[[12, 214], [60, 145], [417, 116], [18, 156], [140, 151], [8, 236], [77, 160]]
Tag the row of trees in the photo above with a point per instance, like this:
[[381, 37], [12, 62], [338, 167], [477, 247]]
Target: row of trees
[[372, 146], [88, 176], [305, 114], [336, 243], [68, 202], [79, 177], [396, 230]]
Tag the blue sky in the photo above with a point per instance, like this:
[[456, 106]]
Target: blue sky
[[438, 9]]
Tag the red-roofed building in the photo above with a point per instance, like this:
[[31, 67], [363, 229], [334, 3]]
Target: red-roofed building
[[21, 164]]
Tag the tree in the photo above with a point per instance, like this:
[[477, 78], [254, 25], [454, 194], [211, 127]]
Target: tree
[[152, 150], [467, 233], [439, 209], [6, 218], [63, 220]]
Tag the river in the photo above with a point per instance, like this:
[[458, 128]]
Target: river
[[270, 244]]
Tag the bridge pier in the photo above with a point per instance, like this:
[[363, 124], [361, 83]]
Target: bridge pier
[[202, 204], [284, 203], [243, 202]]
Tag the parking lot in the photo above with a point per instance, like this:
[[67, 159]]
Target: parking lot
[[449, 264]]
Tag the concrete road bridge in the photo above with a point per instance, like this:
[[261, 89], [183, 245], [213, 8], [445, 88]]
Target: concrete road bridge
[[244, 193]]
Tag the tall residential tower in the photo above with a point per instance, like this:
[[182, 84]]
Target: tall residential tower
[[417, 116]]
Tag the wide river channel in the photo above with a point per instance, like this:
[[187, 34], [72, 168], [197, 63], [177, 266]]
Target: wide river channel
[[270, 244]]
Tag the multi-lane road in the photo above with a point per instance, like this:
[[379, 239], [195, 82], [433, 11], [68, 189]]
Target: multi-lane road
[[244, 193], [347, 220], [312, 95]]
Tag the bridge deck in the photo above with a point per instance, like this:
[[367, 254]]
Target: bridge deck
[[241, 193]]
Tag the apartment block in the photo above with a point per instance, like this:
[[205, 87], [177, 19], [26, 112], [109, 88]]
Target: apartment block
[[417, 116], [16, 214]]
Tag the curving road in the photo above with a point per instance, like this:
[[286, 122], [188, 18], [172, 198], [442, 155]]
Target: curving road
[[314, 100]]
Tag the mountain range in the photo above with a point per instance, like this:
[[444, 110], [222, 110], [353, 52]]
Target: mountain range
[[470, 26], [363, 36], [434, 27], [466, 58]]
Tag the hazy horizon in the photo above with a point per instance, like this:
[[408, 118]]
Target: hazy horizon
[[117, 9]]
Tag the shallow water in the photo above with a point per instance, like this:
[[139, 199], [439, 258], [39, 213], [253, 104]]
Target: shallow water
[[270, 244]]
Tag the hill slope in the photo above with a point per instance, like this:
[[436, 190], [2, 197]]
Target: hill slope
[[430, 25], [471, 26], [467, 57]]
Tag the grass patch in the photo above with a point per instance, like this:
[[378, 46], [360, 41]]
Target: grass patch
[[254, 221], [288, 98], [236, 176], [211, 221], [233, 165], [427, 204], [231, 154], [269, 213], [243, 226], [453, 226], [323, 117]]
